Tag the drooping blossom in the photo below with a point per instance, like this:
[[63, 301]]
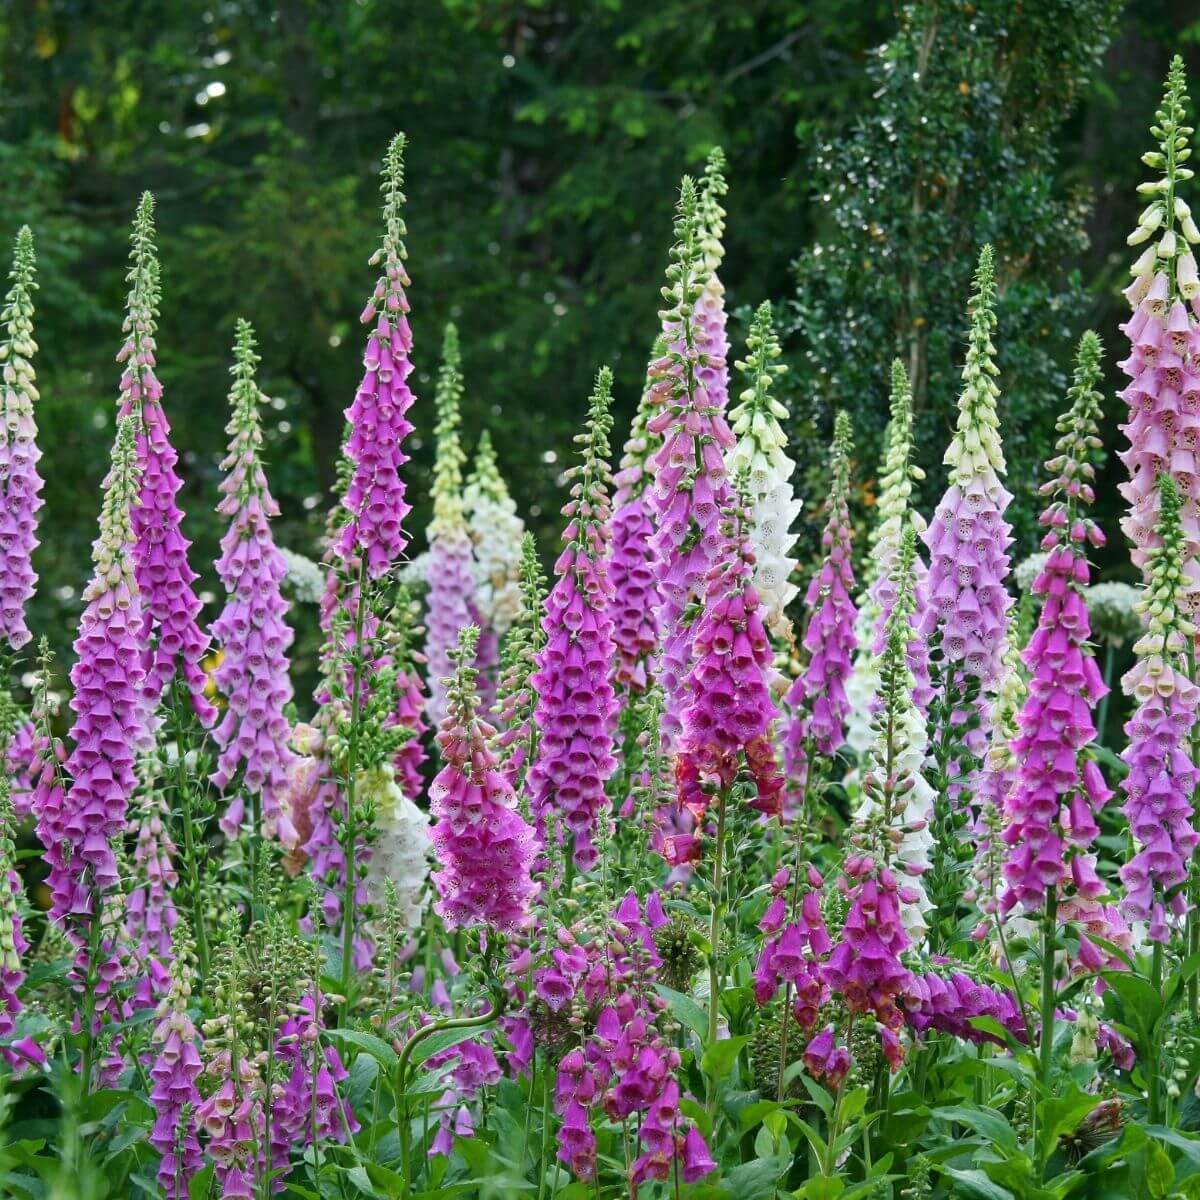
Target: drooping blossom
[[817, 700], [1162, 776], [20, 483], [947, 1000], [968, 538], [728, 722], [374, 501], [763, 472], [400, 852], [894, 787], [251, 630], [108, 704], [576, 706], [1051, 812], [1163, 366], [689, 485], [496, 535], [894, 513], [174, 1071], [173, 643], [150, 912], [626, 1066], [451, 570], [484, 849], [13, 944], [632, 569], [516, 700]]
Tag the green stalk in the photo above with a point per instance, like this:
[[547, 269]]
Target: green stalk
[[1049, 923], [714, 941], [349, 846], [1152, 1067], [402, 1114]]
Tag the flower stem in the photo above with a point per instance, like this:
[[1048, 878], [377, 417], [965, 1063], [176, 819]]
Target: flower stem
[[1049, 924], [714, 940]]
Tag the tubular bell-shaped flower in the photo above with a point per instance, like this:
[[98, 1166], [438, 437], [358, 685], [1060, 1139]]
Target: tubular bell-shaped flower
[[1050, 814], [894, 784], [13, 943], [374, 501], [763, 470], [728, 722], [450, 571], [20, 483], [710, 305], [107, 678], [1164, 362], [173, 643], [576, 709], [251, 630], [1162, 776], [690, 486], [633, 570], [968, 538], [174, 1071], [484, 849], [817, 700]]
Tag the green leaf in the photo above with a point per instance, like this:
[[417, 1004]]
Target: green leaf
[[376, 1047], [975, 1184], [1160, 1173], [821, 1188], [436, 1043], [1188, 1146], [685, 1010], [1058, 1114], [756, 1180], [986, 1122], [201, 1184], [719, 1058]]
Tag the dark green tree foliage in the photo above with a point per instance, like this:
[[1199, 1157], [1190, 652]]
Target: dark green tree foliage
[[958, 148]]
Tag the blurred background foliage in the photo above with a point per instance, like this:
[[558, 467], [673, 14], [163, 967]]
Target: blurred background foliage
[[872, 148]]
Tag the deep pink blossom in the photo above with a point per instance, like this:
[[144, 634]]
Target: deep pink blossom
[[576, 707], [20, 483], [251, 629]]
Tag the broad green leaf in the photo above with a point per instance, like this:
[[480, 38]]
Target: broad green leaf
[[988, 1123], [719, 1058], [376, 1047], [685, 1010], [975, 1184]]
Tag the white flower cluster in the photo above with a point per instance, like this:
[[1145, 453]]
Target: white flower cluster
[[1111, 608], [402, 848], [911, 850], [496, 533], [305, 579], [758, 464], [862, 686]]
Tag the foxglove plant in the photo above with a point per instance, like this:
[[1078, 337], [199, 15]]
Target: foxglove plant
[[895, 790], [484, 849], [150, 911], [516, 701], [1050, 815], [763, 470], [496, 536], [450, 571], [1162, 775], [728, 723], [710, 305], [173, 643], [968, 539], [690, 484], [894, 513], [20, 483], [251, 630], [1164, 361], [174, 1071], [373, 537], [108, 679], [632, 569], [816, 701], [576, 707], [13, 943]]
